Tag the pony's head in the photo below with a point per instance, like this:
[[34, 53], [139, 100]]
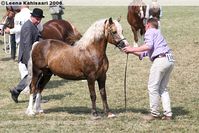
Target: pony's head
[[139, 8], [114, 33], [139, 11]]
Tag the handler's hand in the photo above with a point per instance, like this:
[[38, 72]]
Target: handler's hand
[[128, 49], [7, 30]]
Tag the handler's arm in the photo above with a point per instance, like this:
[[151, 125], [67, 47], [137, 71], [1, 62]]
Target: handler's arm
[[136, 50]]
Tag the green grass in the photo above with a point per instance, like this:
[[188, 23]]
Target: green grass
[[68, 109]]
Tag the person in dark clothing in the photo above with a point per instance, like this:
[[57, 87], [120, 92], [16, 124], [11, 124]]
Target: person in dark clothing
[[29, 35]]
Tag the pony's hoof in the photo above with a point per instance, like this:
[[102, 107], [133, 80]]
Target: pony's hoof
[[30, 113], [96, 117], [41, 111], [111, 115]]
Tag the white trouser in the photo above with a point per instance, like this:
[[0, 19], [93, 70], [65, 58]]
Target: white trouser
[[23, 70], [157, 86]]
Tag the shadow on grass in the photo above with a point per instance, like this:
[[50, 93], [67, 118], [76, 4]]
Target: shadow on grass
[[56, 97], [86, 110], [5, 59], [53, 84], [179, 111], [71, 110], [123, 110], [50, 97]]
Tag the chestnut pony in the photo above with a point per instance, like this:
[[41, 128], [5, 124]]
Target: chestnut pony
[[135, 17], [60, 30], [86, 59]]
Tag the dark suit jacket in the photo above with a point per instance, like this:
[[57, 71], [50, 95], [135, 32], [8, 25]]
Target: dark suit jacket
[[29, 35]]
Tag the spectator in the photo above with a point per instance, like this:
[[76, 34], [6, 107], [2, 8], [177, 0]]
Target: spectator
[[8, 21], [56, 11], [154, 10], [29, 35]]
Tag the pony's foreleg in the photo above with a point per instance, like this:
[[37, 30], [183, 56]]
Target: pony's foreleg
[[29, 110], [135, 43], [91, 86], [140, 38], [102, 89], [37, 105]]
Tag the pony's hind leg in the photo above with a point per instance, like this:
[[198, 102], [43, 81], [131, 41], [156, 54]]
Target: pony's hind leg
[[101, 83], [43, 80], [30, 110], [37, 105]]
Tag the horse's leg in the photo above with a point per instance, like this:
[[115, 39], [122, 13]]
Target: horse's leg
[[140, 37], [101, 83], [43, 80], [37, 105], [91, 86], [29, 110], [135, 44]]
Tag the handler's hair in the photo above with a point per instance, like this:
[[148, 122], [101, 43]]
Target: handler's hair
[[153, 22]]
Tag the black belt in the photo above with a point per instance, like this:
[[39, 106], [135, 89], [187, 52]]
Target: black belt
[[160, 56]]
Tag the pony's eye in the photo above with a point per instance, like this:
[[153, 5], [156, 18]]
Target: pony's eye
[[114, 32]]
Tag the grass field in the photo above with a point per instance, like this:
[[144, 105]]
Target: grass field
[[68, 109]]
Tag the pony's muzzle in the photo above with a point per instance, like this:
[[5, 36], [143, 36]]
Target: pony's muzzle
[[121, 44]]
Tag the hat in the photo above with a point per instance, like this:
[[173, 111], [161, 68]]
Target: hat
[[37, 13]]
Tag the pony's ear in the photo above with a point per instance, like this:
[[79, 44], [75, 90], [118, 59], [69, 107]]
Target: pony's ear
[[118, 19], [110, 20], [105, 21]]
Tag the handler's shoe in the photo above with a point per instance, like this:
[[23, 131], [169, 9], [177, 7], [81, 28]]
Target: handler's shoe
[[164, 117], [14, 96], [150, 117]]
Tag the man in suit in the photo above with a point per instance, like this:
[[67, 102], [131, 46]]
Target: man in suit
[[19, 20], [29, 35]]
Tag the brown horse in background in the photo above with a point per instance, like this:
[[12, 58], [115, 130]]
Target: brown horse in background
[[135, 17], [60, 30], [86, 59]]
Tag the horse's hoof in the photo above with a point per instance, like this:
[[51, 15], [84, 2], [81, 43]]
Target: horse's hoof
[[96, 117], [41, 111], [30, 113], [110, 115]]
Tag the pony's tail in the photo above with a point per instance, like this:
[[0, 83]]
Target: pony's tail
[[71, 39], [30, 65]]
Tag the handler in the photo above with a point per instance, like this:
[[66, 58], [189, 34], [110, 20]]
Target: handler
[[29, 35], [160, 54]]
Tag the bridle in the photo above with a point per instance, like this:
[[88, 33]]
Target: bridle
[[119, 43]]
